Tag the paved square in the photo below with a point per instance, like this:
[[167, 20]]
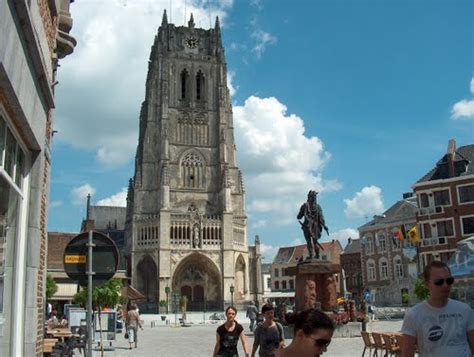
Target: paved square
[[199, 339]]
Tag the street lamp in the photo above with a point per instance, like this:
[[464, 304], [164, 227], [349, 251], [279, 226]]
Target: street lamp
[[232, 295], [167, 291]]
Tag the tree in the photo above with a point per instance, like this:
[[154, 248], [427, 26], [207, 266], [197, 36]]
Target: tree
[[106, 295], [421, 291], [51, 287]]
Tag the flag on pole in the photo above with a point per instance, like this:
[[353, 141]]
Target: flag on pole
[[413, 235], [400, 233]]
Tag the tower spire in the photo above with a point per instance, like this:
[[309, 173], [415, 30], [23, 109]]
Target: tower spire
[[164, 21], [191, 21], [217, 26]]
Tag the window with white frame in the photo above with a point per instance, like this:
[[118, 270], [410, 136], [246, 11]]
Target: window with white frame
[[277, 285], [369, 245], [382, 242], [383, 266], [370, 270], [467, 224], [398, 267], [283, 285], [424, 201], [466, 193], [269, 283], [445, 228], [292, 284], [276, 273], [426, 229], [12, 162], [441, 198]]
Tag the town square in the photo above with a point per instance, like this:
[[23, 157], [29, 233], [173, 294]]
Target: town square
[[236, 178]]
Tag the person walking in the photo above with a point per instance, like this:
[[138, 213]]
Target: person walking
[[133, 323], [227, 336], [268, 335], [438, 326], [252, 314], [312, 334]]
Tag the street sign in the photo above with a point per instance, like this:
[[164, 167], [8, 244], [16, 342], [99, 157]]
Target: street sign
[[105, 259]]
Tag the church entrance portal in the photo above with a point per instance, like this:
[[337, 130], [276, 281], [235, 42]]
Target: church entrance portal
[[198, 278]]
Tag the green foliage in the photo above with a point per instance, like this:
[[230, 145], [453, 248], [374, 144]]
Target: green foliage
[[163, 303], [51, 287], [421, 291], [406, 298], [106, 295]]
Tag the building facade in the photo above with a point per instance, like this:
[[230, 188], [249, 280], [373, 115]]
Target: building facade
[[446, 204], [186, 227], [34, 36], [352, 270], [389, 267]]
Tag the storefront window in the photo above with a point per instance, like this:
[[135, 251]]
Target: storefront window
[[8, 214]]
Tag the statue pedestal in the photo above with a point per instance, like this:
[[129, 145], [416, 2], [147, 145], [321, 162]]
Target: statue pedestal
[[316, 285]]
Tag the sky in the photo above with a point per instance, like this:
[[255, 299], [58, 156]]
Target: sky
[[355, 99]]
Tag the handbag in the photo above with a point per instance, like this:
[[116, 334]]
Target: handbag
[[126, 335]]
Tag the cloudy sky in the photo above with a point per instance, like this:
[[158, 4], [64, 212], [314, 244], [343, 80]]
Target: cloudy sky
[[354, 98]]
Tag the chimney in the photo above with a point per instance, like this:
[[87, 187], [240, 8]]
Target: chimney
[[451, 154]]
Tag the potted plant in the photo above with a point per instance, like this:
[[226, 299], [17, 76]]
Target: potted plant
[[163, 305]]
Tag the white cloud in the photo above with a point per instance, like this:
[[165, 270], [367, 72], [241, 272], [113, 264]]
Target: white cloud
[[279, 162], [268, 252], [464, 109], [260, 223], [102, 84], [262, 40], [79, 194], [230, 84], [54, 204], [366, 202], [118, 200], [342, 236]]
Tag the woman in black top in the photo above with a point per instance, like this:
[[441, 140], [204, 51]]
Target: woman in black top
[[227, 336]]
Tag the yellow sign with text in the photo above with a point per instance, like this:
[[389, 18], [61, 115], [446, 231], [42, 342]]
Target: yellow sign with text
[[74, 259]]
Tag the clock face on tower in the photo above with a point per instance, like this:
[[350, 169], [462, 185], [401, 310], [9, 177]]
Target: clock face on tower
[[192, 42]]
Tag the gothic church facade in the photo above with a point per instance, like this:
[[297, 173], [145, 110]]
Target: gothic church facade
[[186, 226]]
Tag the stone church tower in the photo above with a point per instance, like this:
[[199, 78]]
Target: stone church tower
[[186, 226]]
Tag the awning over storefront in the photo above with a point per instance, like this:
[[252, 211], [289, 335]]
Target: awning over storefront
[[132, 294], [66, 291], [279, 294]]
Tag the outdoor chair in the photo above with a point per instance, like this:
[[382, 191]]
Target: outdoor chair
[[379, 344], [368, 342], [392, 345]]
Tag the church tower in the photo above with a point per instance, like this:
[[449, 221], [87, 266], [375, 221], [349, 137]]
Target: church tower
[[186, 224]]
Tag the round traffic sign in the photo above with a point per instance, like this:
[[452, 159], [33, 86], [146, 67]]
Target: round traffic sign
[[105, 258]]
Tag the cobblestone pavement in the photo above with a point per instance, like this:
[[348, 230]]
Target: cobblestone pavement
[[199, 339]]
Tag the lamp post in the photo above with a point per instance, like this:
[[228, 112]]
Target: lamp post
[[167, 291], [232, 295]]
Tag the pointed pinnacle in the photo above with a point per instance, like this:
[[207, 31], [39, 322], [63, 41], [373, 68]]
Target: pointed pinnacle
[[191, 21], [217, 26], [164, 21]]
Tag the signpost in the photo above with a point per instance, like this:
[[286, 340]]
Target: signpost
[[91, 258]]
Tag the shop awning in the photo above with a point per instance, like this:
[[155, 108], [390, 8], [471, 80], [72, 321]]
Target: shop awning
[[279, 294], [66, 291], [132, 294]]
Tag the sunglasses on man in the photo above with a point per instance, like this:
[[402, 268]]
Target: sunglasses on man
[[320, 342], [440, 281]]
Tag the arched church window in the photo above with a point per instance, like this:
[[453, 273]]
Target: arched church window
[[199, 86], [192, 171], [184, 83]]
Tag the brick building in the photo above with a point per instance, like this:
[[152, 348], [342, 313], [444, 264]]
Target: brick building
[[352, 270], [446, 204], [34, 36], [388, 265]]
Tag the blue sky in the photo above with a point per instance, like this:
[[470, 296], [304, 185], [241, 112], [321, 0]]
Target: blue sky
[[356, 99]]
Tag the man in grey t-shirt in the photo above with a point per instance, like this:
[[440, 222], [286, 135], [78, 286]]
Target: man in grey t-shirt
[[439, 326], [268, 335]]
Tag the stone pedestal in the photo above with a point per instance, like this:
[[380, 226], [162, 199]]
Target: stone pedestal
[[316, 285]]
